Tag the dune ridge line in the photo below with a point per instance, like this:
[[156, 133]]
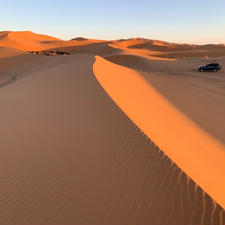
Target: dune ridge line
[[202, 157]]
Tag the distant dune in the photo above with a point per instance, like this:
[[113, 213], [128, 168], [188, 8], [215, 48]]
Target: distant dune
[[162, 45], [99, 48], [28, 41], [78, 39]]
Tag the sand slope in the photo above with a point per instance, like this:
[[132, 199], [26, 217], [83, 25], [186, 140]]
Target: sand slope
[[200, 155], [6, 52], [172, 49], [20, 64], [69, 155], [28, 41], [88, 47], [200, 96]]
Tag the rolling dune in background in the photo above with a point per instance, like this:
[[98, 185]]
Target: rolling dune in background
[[29, 41]]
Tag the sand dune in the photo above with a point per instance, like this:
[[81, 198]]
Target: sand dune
[[82, 41], [196, 152], [157, 44], [200, 98], [102, 48], [78, 39], [164, 46], [81, 160], [73, 154], [180, 67], [28, 41], [198, 93], [172, 50], [21, 64]]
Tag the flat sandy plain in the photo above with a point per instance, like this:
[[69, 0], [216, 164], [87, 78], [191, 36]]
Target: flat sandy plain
[[119, 132]]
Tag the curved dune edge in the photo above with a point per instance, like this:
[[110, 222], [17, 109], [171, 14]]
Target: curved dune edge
[[196, 152]]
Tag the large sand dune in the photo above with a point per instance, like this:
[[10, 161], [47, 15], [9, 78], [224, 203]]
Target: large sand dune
[[71, 156], [198, 95], [28, 41], [196, 152]]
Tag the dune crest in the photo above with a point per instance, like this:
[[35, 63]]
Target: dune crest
[[71, 156], [195, 151], [28, 41]]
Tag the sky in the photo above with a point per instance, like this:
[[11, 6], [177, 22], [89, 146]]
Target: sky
[[180, 21]]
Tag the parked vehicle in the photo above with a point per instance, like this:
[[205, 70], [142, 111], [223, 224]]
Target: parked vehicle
[[210, 67]]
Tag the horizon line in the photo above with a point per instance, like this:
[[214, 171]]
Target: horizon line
[[122, 38]]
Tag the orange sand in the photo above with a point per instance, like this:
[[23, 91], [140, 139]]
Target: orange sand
[[196, 152], [71, 156]]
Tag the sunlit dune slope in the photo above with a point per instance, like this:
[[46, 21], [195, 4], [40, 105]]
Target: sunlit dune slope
[[195, 151], [181, 68], [69, 155], [200, 96], [28, 41]]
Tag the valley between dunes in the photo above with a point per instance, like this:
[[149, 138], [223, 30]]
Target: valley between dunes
[[117, 132]]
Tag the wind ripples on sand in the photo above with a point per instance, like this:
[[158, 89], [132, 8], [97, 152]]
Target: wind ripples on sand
[[91, 166]]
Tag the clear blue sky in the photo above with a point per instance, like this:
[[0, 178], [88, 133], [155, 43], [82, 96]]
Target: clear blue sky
[[190, 21]]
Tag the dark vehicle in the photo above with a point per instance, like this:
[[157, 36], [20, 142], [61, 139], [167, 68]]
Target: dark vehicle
[[210, 67]]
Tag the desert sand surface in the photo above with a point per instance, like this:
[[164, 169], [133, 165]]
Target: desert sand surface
[[153, 113], [29, 41], [171, 50], [6, 52], [198, 95], [18, 64], [125, 138], [76, 158]]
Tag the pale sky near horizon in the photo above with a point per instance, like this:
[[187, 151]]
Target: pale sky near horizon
[[189, 21]]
